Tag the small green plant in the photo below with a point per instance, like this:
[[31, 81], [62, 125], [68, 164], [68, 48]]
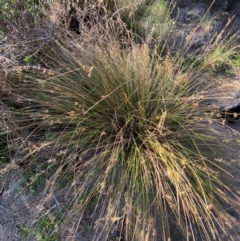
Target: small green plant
[[27, 60], [146, 19], [35, 176], [156, 21], [42, 230], [216, 57], [222, 54]]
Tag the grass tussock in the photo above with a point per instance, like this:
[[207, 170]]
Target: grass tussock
[[119, 129], [128, 130]]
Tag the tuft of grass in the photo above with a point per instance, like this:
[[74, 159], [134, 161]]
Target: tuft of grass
[[156, 21], [217, 51], [130, 130], [222, 55], [147, 20]]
